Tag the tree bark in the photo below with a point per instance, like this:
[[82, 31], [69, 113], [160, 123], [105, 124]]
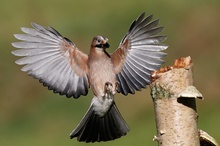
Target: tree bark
[[174, 103]]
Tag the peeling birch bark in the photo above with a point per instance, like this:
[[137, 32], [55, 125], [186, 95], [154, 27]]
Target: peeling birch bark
[[174, 103]]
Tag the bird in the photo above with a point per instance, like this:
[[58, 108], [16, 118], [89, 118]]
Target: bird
[[61, 66]]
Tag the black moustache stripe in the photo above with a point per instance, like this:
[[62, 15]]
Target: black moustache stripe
[[106, 45]]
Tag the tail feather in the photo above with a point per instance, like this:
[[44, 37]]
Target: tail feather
[[94, 128]]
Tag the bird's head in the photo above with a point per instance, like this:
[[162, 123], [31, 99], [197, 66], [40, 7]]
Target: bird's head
[[100, 42]]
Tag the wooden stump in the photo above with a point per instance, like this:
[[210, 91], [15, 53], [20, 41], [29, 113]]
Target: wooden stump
[[174, 100]]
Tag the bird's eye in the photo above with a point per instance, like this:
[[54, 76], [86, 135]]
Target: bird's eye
[[98, 40]]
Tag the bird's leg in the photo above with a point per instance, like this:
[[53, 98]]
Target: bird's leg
[[102, 104], [108, 90]]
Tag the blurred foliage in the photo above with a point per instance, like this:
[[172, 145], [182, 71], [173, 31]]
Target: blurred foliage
[[32, 115]]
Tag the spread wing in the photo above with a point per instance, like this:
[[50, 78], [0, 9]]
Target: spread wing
[[138, 54], [53, 59]]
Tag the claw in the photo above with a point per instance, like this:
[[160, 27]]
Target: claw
[[108, 87]]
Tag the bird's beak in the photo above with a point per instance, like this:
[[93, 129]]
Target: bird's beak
[[106, 45]]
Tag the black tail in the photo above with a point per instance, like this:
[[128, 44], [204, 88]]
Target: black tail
[[94, 128]]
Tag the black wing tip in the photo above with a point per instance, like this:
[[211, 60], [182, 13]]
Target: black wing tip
[[134, 23], [126, 91], [49, 29], [140, 19], [143, 13], [134, 90], [62, 93]]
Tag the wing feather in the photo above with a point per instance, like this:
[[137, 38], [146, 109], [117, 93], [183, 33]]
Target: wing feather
[[139, 54], [52, 59], [133, 79]]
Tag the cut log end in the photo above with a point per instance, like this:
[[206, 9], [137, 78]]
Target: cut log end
[[184, 62]]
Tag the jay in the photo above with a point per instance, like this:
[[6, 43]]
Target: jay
[[58, 63]]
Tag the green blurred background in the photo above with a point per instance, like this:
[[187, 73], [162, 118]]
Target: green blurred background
[[32, 115]]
